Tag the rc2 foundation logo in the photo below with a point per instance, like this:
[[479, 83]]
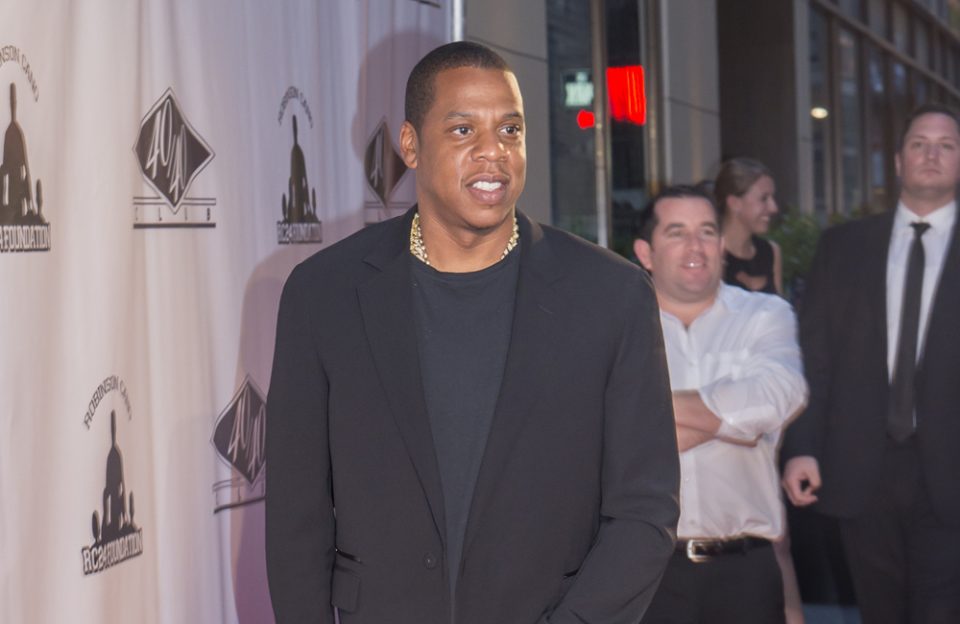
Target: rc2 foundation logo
[[298, 205], [116, 536], [171, 154], [22, 224]]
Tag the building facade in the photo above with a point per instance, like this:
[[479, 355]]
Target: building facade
[[816, 89]]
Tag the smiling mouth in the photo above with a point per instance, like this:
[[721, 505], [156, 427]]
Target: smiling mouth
[[483, 185]]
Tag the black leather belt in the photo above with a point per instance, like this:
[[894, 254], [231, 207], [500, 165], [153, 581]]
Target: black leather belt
[[699, 550]]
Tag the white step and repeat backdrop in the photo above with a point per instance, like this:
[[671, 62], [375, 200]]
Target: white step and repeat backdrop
[[165, 164]]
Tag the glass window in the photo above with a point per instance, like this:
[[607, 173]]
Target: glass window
[[921, 42], [900, 94], [878, 17], [878, 144], [820, 111], [627, 160], [936, 43], [901, 28], [953, 67], [852, 8], [573, 175], [850, 122], [572, 125], [945, 52], [935, 93], [953, 16], [921, 90]]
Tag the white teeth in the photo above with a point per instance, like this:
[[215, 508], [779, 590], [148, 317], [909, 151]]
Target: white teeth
[[486, 186]]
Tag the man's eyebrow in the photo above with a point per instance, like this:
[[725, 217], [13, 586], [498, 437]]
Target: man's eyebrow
[[679, 226], [466, 115], [927, 137]]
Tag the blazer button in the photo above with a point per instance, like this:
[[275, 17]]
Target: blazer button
[[429, 561]]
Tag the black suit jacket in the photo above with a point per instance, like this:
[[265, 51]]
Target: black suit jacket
[[843, 333], [575, 506]]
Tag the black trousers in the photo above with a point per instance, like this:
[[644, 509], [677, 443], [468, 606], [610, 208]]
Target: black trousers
[[739, 588], [904, 561]]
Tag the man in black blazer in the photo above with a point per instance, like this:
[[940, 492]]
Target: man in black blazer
[[877, 445], [469, 418]]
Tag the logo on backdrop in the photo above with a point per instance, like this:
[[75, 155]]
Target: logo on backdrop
[[23, 226], [239, 440], [298, 205], [383, 168], [116, 535], [171, 154]]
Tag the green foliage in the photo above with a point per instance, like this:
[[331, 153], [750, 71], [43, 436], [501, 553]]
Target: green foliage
[[796, 233]]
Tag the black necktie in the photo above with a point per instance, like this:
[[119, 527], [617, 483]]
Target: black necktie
[[900, 419]]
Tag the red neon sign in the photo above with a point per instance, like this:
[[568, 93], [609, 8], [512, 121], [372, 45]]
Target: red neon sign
[[625, 92], [626, 97]]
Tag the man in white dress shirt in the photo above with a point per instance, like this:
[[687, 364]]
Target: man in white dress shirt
[[736, 374]]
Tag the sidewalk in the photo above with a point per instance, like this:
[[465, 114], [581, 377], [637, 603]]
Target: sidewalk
[[830, 614]]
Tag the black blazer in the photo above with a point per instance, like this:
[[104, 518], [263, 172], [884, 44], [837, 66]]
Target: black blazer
[[843, 333], [575, 506]]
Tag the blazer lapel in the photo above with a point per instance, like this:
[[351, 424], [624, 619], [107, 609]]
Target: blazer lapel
[[946, 300], [531, 340], [877, 248], [386, 303]]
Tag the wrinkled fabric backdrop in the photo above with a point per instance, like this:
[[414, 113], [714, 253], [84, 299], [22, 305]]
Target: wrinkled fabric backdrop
[[165, 165]]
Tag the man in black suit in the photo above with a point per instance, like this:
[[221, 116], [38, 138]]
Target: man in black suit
[[877, 445], [469, 418]]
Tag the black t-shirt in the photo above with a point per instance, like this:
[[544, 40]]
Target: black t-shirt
[[463, 323]]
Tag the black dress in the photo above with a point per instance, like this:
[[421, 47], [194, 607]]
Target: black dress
[[760, 265]]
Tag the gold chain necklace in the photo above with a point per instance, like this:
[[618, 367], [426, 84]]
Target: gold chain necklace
[[419, 250]]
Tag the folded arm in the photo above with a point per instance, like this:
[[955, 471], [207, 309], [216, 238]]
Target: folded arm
[[696, 424], [768, 388]]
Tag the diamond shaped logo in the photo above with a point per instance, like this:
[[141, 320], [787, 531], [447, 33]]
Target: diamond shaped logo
[[169, 151], [240, 432], [382, 163]]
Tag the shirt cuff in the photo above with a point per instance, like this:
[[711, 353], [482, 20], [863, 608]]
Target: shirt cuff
[[727, 427]]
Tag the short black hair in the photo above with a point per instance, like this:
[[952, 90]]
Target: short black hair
[[646, 220], [926, 109], [420, 85]]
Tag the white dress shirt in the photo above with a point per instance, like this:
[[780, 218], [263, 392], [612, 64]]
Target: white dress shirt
[[935, 241], [742, 356]]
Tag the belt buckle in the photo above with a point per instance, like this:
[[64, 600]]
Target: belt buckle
[[692, 553]]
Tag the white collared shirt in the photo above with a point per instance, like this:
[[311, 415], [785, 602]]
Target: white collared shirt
[[935, 241], [742, 355]]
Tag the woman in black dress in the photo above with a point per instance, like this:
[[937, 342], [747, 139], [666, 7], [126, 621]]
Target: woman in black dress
[[745, 189]]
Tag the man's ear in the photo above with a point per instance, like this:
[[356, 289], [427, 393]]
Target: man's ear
[[896, 163], [408, 145], [644, 253]]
